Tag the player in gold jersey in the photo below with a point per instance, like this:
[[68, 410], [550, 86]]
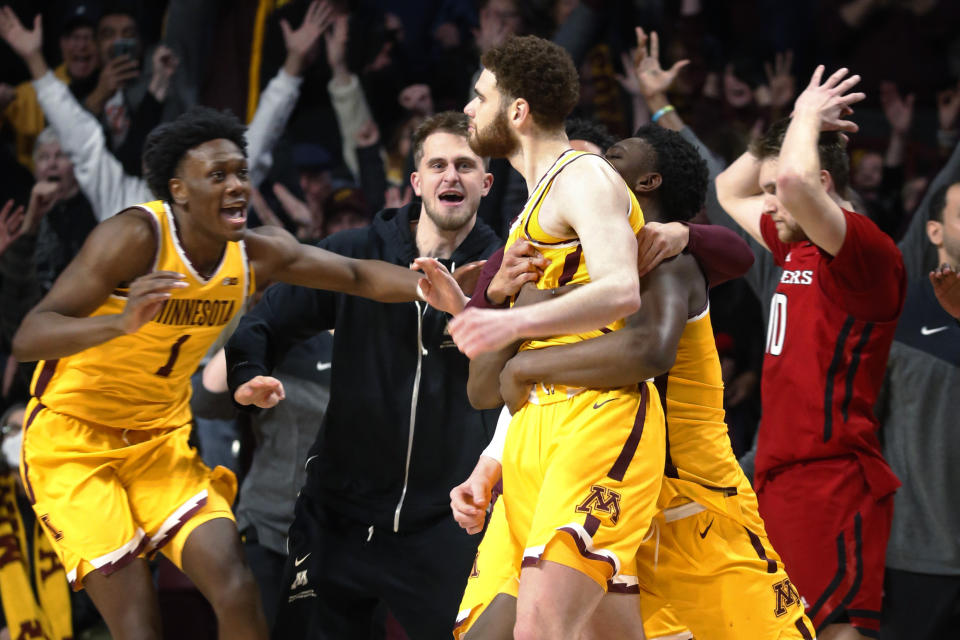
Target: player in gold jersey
[[709, 558], [583, 483], [105, 455]]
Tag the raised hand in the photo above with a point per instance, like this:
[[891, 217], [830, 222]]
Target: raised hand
[[302, 44], [23, 42], [657, 242], [265, 392], [946, 286], [897, 109], [829, 102], [146, 296], [367, 135], [165, 64], [116, 73], [336, 43], [780, 80], [522, 263], [438, 286], [11, 225], [43, 196], [644, 71]]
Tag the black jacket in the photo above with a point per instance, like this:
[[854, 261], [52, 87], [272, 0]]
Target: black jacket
[[393, 366]]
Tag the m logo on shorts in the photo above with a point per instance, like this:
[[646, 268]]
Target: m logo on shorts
[[300, 580], [601, 502], [474, 572], [787, 596]]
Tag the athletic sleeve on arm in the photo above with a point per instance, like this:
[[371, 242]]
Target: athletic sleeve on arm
[[489, 270], [722, 254], [867, 275], [768, 229]]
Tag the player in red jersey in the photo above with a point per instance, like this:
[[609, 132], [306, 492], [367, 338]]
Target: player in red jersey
[[826, 493]]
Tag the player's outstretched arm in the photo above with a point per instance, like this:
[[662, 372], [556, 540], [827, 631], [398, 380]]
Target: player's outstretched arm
[[738, 192], [645, 348], [277, 255], [118, 251], [801, 185], [592, 201]]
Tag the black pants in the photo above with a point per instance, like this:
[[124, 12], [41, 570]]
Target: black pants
[[919, 606], [267, 566], [339, 571]]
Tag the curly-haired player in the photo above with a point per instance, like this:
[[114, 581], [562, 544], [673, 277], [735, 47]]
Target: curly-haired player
[[105, 461], [583, 465]]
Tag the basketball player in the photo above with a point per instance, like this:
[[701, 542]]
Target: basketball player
[[825, 491], [710, 545], [105, 461], [582, 217]]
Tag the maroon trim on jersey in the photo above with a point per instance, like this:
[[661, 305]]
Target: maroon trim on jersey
[[802, 628], [125, 559], [591, 524], [26, 467], [543, 194], [619, 587], [168, 536], [761, 552], [838, 351], [619, 468], [854, 363], [582, 548], [660, 384], [49, 367], [570, 265]]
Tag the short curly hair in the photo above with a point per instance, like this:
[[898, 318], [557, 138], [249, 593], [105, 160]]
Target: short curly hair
[[540, 72], [166, 145], [831, 149], [684, 172]]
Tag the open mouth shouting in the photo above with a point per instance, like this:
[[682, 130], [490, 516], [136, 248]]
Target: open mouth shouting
[[450, 197], [235, 214]]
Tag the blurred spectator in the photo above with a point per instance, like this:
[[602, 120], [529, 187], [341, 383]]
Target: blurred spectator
[[80, 63], [99, 173]]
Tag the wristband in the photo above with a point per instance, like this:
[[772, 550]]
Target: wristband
[[661, 112], [495, 448]]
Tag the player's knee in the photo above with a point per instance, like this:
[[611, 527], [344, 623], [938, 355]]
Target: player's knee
[[237, 590], [537, 624]]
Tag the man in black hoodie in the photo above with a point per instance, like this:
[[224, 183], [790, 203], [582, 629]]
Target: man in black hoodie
[[372, 523]]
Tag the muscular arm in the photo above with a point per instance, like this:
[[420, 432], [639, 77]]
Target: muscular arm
[[277, 255], [738, 191], [800, 189], [118, 250], [721, 252], [645, 348], [592, 202]]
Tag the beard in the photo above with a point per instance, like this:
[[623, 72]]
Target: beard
[[497, 140], [451, 221]]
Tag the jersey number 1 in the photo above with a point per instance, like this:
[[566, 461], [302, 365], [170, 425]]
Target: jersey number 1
[[777, 327], [165, 370]]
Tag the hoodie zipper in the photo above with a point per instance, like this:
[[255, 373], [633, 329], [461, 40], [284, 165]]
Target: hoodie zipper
[[413, 414]]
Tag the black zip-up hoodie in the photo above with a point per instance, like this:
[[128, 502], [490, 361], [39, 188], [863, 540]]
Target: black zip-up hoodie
[[393, 366]]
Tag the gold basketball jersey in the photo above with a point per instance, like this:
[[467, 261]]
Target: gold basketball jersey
[[566, 260], [142, 380], [700, 464]]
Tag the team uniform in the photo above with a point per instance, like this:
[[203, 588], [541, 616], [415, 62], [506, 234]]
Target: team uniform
[[709, 567], [106, 463], [820, 476], [582, 468]]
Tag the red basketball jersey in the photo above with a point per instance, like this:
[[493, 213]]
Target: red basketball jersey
[[832, 321]]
